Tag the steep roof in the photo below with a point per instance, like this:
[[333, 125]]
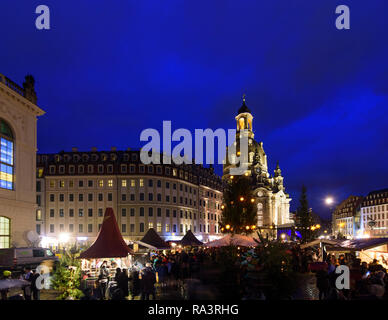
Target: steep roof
[[243, 108], [109, 242], [190, 240], [153, 239]]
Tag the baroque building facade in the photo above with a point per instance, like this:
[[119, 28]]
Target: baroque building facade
[[271, 199], [74, 189], [346, 217], [374, 214], [18, 122]]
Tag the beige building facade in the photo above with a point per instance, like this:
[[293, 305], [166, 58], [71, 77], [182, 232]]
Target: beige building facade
[[18, 130], [75, 188]]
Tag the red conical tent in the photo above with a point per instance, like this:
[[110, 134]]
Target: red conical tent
[[109, 242]]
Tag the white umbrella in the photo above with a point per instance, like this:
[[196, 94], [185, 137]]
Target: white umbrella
[[12, 283]]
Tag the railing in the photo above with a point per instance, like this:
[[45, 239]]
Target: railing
[[10, 84]]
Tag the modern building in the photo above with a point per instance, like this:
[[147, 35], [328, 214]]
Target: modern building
[[271, 199], [18, 122], [374, 214], [74, 189], [346, 217]]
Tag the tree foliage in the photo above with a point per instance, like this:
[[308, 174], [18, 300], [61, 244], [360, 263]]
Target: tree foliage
[[67, 277], [238, 209], [304, 217]]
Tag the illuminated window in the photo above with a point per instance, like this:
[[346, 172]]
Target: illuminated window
[[167, 228], [141, 182], [52, 184], [241, 123], [150, 225], [6, 156], [100, 183], [123, 183], [133, 183], [158, 227], [5, 232], [61, 184], [110, 183], [71, 184]]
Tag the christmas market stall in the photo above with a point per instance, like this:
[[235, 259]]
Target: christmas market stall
[[189, 240], [234, 239], [153, 241], [366, 249], [109, 251]]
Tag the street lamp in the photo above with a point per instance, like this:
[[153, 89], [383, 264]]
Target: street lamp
[[329, 201]]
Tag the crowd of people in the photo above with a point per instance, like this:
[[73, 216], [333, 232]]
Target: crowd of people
[[31, 291], [172, 269], [168, 270]]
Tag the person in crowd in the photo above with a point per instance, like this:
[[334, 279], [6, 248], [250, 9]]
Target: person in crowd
[[134, 283], [323, 283], [27, 275], [103, 278], [148, 281], [35, 285], [122, 282], [117, 275], [4, 293]]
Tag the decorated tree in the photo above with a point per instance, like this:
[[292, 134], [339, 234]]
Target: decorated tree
[[67, 277], [238, 211], [304, 217]]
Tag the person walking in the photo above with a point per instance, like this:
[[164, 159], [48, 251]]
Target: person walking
[[27, 289], [103, 279], [35, 286], [134, 284], [148, 281]]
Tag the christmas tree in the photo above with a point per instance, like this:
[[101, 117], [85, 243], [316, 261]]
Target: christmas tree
[[67, 277], [238, 211], [304, 217]]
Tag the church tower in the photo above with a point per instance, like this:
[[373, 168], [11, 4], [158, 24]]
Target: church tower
[[273, 203]]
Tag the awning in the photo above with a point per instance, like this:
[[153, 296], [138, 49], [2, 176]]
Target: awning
[[190, 240], [109, 242], [152, 239]]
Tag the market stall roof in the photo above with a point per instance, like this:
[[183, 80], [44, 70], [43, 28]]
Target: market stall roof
[[109, 242], [190, 240], [236, 239], [151, 238], [360, 244], [318, 241]]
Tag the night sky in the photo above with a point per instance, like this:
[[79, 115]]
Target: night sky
[[109, 69]]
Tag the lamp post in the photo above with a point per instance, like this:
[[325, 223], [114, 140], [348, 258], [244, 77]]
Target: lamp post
[[329, 201]]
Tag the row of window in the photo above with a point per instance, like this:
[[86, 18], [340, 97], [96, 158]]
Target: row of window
[[101, 169], [126, 183], [167, 228], [375, 216], [375, 209], [168, 213], [131, 197]]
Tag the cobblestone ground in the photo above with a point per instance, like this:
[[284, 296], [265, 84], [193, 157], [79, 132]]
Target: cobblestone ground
[[307, 289], [200, 287]]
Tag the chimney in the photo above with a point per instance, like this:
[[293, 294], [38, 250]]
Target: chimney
[[74, 149], [113, 149], [128, 149], [29, 88], [94, 149]]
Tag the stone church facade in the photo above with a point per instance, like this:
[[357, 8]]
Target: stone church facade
[[271, 199]]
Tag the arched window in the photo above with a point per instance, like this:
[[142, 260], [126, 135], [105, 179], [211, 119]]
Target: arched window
[[5, 232], [6, 156]]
